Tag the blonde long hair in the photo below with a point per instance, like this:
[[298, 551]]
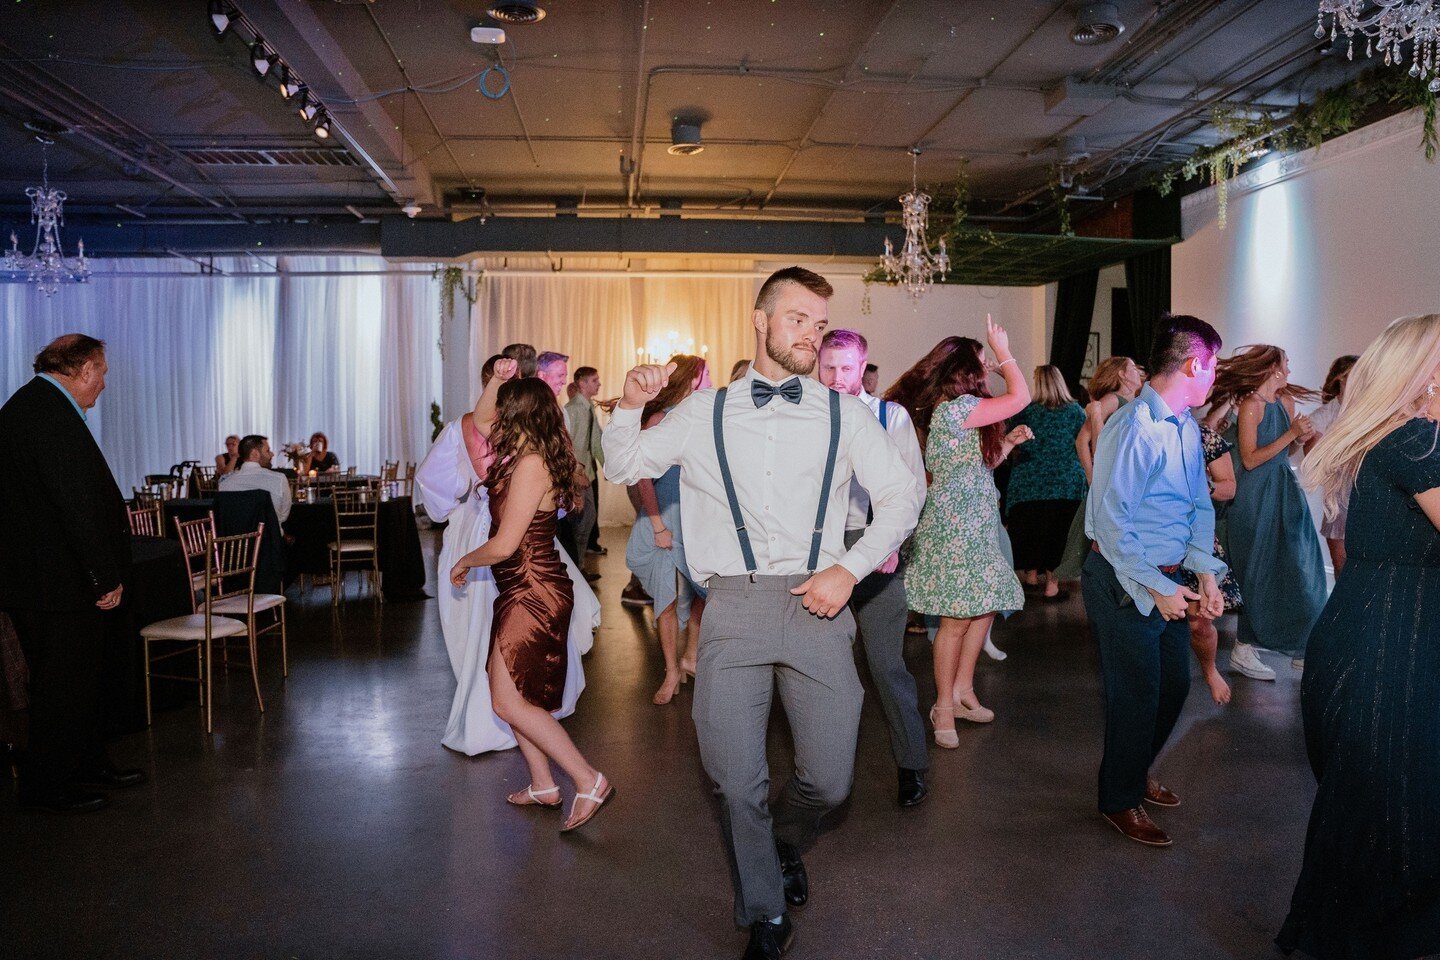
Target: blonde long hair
[[1108, 377], [1385, 389], [1050, 388]]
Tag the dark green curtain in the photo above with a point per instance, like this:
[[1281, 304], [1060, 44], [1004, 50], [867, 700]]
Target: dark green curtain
[[1147, 279], [1074, 309]]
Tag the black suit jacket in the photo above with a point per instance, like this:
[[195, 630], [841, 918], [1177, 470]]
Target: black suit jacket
[[64, 534]]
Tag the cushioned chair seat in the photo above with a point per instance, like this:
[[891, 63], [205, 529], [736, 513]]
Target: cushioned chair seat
[[354, 546], [263, 601], [192, 628]]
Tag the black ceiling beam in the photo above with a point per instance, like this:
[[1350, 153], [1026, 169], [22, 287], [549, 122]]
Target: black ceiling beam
[[141, 239], [446, 240]]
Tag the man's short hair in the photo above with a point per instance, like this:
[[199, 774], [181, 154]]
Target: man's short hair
[[582, 372], [842, 339], [253, 443], [65, 355], [550, 358], [871, 368], [524, 356], [1179, 337], [809, 279]]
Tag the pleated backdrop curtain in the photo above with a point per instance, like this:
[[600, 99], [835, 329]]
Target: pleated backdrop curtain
[[1074, 312], [1147, 281], [193, 359]]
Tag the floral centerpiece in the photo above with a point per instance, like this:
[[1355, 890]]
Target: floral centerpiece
[[296, 453]]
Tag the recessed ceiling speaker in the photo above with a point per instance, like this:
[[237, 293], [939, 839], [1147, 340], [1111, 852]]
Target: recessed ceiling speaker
[[516, 11], [1096, 23], [684, 138]]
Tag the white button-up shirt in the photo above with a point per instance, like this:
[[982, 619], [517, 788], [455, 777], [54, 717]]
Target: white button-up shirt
[[902, 434], [777, 460], [252, 476]]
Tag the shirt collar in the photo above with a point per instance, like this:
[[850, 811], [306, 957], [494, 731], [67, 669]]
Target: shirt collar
[[68, 395], [251, 463], [1159, 409], [754, 374]]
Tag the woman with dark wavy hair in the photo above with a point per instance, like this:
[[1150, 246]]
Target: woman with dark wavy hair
[[532, 478], [1273, 549], [956, 570], [909, 391]]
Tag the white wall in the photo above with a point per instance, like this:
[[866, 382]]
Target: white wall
[[1321, 250]]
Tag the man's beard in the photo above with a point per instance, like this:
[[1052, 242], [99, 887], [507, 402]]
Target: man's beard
[[799, 362]]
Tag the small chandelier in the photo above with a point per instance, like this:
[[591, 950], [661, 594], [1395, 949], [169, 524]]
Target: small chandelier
[[46, 265], [1389, 24], [915, 267]]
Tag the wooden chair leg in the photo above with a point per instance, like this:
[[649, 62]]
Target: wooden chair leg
[[145, 645], [208, 655], [284, 644], [254, 662]]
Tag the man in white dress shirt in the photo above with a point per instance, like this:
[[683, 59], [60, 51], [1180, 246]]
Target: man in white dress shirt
[[766, 466], [255, 474], [879, 600]]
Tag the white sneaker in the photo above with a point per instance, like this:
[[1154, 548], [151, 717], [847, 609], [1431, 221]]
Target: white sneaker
[[994, 652], [1244, 660]]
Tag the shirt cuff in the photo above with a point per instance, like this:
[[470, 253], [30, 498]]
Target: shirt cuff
[[624, 417], [1198, 561], [856, 564]]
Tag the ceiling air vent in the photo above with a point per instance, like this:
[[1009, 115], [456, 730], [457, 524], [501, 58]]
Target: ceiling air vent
[[516, 11], [1096, 23], [283, 157]]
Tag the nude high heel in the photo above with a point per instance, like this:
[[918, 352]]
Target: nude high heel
[[975, 714], [948, 739]]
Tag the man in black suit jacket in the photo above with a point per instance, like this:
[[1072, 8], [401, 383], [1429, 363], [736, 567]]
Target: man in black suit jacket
[[64, 556]]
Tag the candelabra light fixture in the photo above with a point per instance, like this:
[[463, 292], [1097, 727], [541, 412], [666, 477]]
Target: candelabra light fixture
[[916, 267], [46, 265], [1389, 25]]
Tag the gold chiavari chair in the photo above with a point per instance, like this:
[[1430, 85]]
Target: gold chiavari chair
[[357, 540], [229, 573], [350, 472], [194, 534], [147, 498], [390, 471], [146, 519], [405, 487], [206, 482]]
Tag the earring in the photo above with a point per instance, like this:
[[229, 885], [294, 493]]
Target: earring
[[1429, 390]]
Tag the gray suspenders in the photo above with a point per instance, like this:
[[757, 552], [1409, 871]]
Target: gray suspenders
[[744, 536]]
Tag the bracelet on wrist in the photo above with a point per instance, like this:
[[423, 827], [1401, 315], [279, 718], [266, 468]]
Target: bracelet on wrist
[[1005, 361]]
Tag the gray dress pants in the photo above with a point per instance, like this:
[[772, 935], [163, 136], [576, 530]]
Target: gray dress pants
[[880, 612], [756, 638]]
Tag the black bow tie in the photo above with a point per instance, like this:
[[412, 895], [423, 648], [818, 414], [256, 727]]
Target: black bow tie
[[761, 392]]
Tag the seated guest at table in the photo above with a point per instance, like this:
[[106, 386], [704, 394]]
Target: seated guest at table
[[64, 559], [255, 474], [230, 459], [319, 459]]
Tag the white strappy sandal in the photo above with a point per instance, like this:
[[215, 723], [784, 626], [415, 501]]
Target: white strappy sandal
[[534, 798], [596, 796]]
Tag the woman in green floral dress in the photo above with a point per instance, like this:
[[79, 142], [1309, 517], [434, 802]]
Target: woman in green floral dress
[[956, 570]]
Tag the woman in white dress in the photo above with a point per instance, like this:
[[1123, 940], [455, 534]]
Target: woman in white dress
[[448, 484]]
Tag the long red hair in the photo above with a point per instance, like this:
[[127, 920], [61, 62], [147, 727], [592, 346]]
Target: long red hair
[[962, 372]]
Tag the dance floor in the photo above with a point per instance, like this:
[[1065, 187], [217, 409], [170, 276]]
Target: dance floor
[[337, 826]]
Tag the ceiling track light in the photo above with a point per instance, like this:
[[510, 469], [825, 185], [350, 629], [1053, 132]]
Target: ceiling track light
[[221, 16], [308, 107], [322, 126], [289, 85], [259, 59]]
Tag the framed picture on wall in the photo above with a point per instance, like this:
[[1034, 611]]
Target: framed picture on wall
[[1092, 357]]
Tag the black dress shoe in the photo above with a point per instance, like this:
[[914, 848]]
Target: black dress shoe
[[769, 941], [792, 869], [912, 787], [66, 801], [597, 551], [111, 778]]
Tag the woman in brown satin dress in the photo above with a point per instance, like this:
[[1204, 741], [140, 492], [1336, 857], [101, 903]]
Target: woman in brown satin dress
[[533, 475]]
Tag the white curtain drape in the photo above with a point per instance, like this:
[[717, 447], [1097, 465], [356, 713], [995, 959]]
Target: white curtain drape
[[193, 359]]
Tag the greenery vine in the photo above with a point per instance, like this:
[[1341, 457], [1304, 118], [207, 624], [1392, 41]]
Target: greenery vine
[[436, 424], [452, 282], [1333, 112]]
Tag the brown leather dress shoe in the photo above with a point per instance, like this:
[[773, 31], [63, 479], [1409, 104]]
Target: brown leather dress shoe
[[1137, 825], [1160, 795]]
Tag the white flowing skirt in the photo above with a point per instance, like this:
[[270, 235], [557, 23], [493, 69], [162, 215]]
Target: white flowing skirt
[[465, 617]]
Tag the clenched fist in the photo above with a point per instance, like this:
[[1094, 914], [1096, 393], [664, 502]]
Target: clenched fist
[[506, 369], [643, 384]]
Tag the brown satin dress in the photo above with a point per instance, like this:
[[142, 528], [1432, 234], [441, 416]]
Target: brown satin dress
[[532, 612]]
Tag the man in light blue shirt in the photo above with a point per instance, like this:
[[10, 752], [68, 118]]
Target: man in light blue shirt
[[1149, 514]]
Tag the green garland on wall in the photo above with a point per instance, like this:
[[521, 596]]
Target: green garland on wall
[[452, 282], [1333, 112]]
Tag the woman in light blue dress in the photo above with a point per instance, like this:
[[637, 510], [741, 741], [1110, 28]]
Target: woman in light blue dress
[[1273, 548], [655, 552]]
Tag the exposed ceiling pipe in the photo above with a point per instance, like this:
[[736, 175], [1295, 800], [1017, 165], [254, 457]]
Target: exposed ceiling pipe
[[819, 114], [1152, 37], [632, 179]]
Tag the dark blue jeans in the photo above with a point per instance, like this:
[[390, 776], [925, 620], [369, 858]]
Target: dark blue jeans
[[1145, 662]]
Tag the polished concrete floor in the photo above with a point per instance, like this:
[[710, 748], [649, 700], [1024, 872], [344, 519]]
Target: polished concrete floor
[[337, 826]]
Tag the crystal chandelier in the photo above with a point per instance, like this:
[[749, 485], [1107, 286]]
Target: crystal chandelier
[[916, 266], [1389, 25], [46, 265]]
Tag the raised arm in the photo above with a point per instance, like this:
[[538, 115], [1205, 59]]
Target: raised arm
[[1017, 392], [505, 369], [529, 484], [631, 455]]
